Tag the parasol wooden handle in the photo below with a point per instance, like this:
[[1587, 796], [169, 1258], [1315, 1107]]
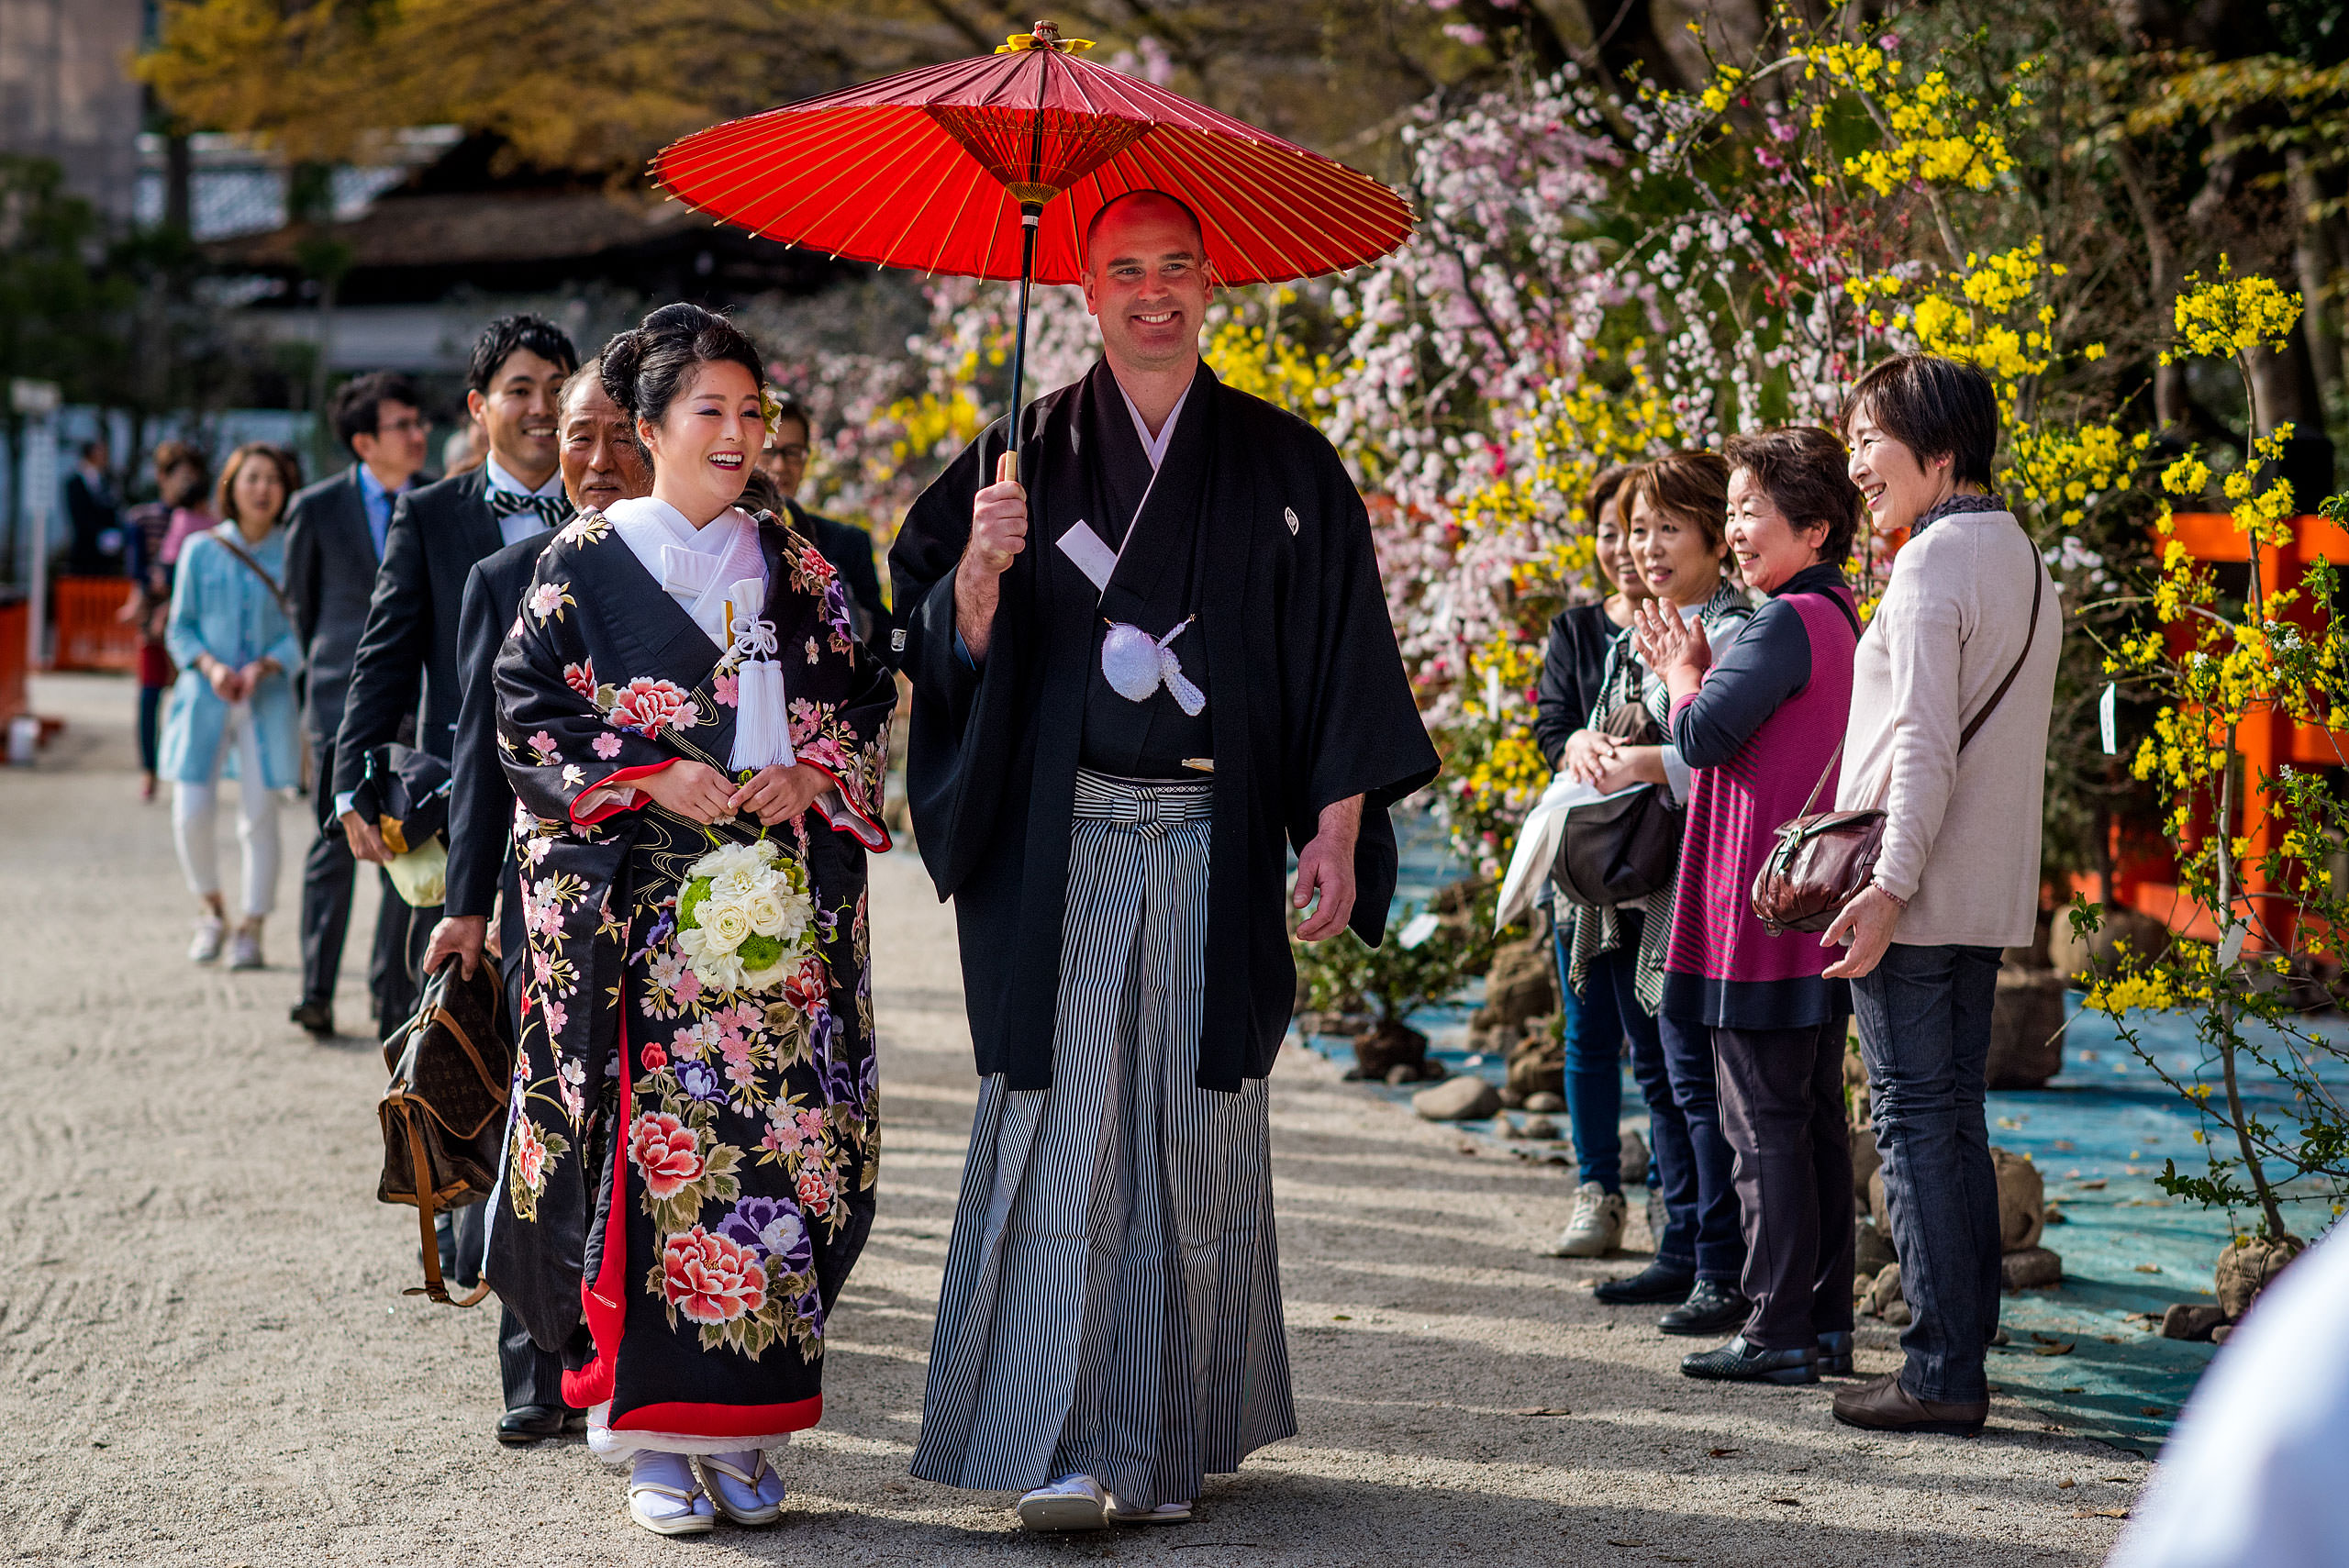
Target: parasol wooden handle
[[1007, 469]]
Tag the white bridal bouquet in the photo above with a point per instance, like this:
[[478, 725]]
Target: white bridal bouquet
[[744, 916]]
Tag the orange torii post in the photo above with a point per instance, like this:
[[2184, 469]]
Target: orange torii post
[[2267, 736]]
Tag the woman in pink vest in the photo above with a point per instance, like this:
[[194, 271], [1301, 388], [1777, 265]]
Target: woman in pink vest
[[1760, 724]]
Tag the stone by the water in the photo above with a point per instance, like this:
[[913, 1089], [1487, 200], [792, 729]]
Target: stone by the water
[[1635, 1159], [1465, 1098], [2192, 1320], [2031, 1268], [1539, 1127], [1545, 1101], [1871, 1249], [2248, 1266]]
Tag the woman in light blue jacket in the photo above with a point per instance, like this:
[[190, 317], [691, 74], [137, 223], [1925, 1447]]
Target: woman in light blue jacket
[[232, 710]]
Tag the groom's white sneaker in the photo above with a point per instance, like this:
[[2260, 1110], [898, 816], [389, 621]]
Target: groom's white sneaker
[[1074, 1502], [1124, 1513]]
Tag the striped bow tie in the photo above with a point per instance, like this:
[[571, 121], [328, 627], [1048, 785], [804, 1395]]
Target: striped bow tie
[[552, 510]]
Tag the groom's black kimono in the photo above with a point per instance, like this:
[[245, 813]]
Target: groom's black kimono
[[1308, 699]]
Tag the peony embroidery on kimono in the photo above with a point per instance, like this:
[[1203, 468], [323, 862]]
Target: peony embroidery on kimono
[[528, 1152], [581, 678], [647, 706]]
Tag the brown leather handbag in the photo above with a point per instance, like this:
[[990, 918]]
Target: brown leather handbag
[[1621, 851], [1822, 861], [444, 1114]]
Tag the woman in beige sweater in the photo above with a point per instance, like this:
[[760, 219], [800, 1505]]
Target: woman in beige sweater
[[1951, 691]]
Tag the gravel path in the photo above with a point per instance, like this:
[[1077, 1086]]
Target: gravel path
[[204, 1356]]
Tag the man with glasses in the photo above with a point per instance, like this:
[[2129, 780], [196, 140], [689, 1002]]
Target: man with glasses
[[338, 528], [846, 546]]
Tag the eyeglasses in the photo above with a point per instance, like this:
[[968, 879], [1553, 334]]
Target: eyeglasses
[[412, 426], [791, 453]]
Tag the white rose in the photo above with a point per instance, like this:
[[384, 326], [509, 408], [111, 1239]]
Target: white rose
[[765, 910], [726, 926], [797, 911], [734, 884]]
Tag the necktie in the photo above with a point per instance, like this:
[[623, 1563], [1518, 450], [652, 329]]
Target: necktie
[[552, 510]]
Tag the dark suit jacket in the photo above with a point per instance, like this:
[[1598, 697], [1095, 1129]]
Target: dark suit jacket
[[481, 803], [850, 550], [330, 575], [437, 534]]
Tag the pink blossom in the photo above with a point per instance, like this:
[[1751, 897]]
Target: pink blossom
[[607, 746]]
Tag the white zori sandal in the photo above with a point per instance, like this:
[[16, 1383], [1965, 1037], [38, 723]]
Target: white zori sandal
[[1074, 1502], [744, 1486], [665, 1497], [1124, 1513]]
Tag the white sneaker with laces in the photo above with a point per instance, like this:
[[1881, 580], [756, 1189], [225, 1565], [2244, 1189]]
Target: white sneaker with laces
[[244, 948], [210, 932], [1074, 1502], [1597, 1227]]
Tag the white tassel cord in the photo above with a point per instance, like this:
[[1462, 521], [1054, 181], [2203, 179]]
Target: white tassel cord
[[762, 710]]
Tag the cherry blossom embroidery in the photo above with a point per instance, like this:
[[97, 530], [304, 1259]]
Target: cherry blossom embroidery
[[547, 600], [607, 746], [542, 747], [727, 689]]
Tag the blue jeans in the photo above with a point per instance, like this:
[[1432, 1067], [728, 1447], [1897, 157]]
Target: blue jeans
[[1693, 1077], [1672, 1165], [1594, 1030], [1925, 1034]]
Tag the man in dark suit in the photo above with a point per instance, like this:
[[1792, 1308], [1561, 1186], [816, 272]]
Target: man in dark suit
[[437, 534], [846, 546], [95, 521], [336, 533], [601, 463]]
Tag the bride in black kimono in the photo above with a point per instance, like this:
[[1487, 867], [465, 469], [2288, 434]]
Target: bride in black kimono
[[697, 741]]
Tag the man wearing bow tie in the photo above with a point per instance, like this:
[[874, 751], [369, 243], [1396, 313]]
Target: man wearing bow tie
[[437, 534]]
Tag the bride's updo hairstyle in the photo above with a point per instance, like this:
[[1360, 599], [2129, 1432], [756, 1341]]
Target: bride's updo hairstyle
[[645, 368]]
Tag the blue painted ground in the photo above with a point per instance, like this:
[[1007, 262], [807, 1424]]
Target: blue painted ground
[[2099, 1132]]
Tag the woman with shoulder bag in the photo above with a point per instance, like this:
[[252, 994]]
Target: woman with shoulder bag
[[1574, 669], [1951, 695], [1761, 725], [232, 709], [1674, 508]]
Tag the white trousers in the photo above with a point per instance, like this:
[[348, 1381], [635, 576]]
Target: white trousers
[[196, 812]]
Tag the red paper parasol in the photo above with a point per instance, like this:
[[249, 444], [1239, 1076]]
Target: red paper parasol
[[992, 167]]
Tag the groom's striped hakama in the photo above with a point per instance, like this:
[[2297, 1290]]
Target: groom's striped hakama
[[1111, 1303]]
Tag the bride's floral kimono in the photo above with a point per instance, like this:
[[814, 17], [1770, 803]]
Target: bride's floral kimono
[[691, 1165]]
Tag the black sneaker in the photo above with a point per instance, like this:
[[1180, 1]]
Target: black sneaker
[[1835, 1354], [1654, 1285], [316, 1017], [1738, 1362], [1713, 1308]]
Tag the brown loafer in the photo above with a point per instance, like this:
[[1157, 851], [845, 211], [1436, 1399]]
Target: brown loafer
[[1881, 1404]]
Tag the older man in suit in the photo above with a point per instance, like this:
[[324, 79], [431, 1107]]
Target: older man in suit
[[601, 463], [437, 534], [337, 529]]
